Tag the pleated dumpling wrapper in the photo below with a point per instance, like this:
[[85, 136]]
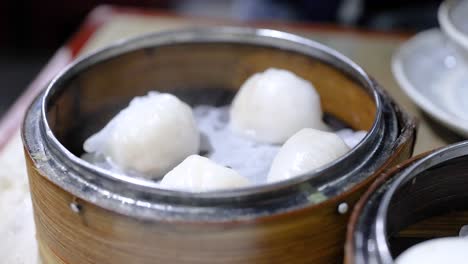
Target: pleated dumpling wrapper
[[453, 250], [200, 174], [151, 136], [306, 151], [273, 105]]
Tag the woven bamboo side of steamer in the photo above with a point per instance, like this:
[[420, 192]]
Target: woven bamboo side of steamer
[[96, 235]]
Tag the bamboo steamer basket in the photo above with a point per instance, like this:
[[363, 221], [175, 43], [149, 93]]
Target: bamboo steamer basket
[[85, 214], [420, 199]]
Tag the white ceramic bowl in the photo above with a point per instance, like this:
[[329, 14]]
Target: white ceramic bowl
[[453, 19]]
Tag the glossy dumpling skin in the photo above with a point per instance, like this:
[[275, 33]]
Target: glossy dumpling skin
[[306, 151], [273, 105], [151, 136], [453, 250], [200, 174]]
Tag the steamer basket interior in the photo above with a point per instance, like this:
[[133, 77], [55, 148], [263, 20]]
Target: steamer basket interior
[[198, 73]]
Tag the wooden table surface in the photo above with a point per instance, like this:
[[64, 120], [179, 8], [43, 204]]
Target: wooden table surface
[[107, 24]]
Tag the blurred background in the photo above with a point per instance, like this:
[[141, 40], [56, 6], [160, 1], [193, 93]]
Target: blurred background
[[30, 31]]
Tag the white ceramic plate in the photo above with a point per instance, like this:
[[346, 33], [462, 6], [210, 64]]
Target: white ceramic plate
[[432, 73]]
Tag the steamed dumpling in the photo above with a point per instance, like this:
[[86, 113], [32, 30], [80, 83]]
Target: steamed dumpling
[[151, 136], [307, 150], [453, 250], [273, 105], [200, 174]]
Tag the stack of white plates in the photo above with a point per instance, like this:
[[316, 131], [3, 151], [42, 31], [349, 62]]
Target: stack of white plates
[[432, 68]]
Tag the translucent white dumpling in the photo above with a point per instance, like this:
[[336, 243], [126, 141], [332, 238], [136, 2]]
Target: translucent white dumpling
[[152, 135], [200, 174], [307, 150], [453, 250], [273, 105]]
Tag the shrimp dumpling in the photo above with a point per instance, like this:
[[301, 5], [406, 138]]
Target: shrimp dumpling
[[273, 105], [200, 174], [307, 150], [151, 136], [453, 250]]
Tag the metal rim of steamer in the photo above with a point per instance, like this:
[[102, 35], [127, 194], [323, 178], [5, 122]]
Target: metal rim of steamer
[[143, 198], [368, 242]]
